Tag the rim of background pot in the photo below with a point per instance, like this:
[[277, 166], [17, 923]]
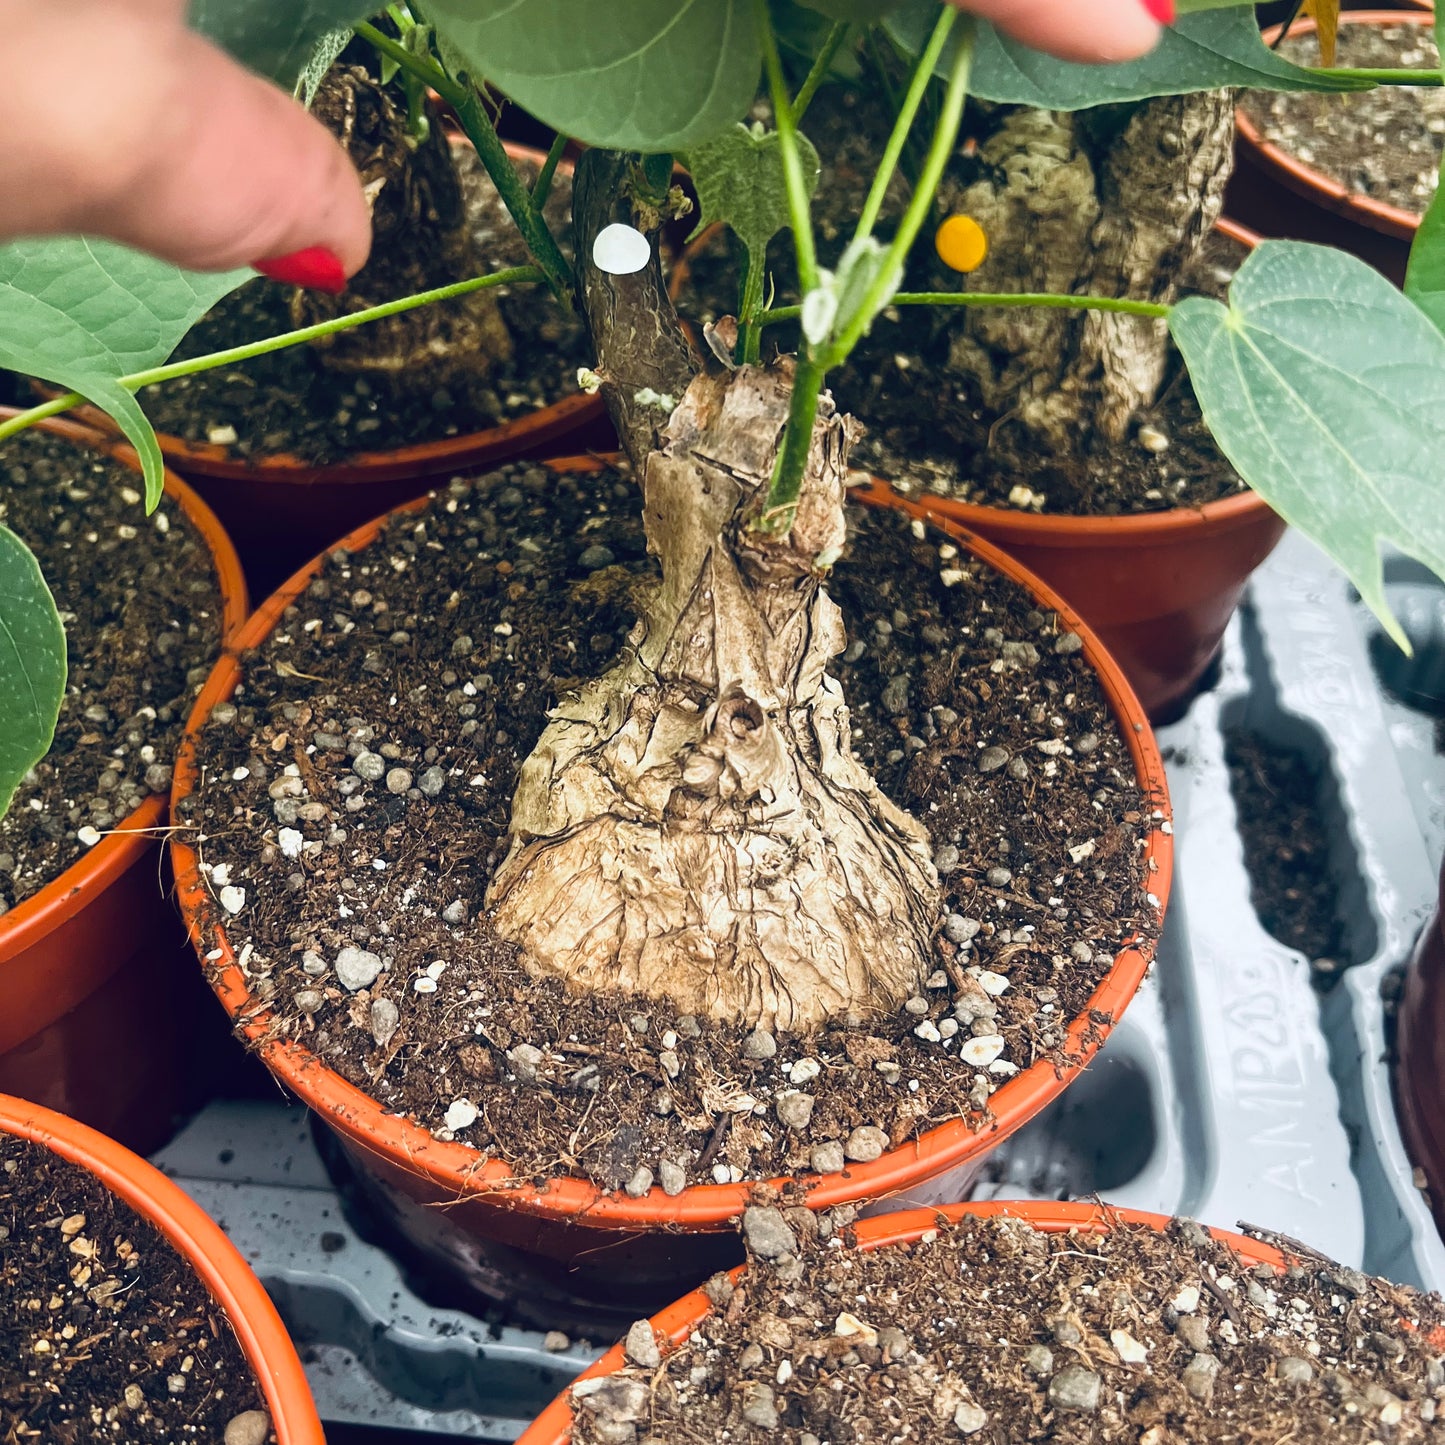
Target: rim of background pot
[[121, 846], [463, 1172], [205, 1248], [1008, 525], [676, 1323], [1313, 184], [556, 421]]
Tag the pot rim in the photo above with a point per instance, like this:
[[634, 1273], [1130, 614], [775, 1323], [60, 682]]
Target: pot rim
[[1068, 529], [1306, 180], [444, 455], [118, 849], [464, 1173], [675, 1323], [218, 1263]]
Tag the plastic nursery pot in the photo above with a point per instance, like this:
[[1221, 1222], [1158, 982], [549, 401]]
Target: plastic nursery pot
[[281, 510], [554, 1425], [1279, 195], [198, 1238], [99, 1014], [563, 1244], [1420, 1058]]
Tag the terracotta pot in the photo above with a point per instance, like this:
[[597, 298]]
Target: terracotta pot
[[1278, 195], [197, 1237], [99, 1014], [281, 510], [1420, 1058], [554, 1425], [567, 1249], [1158, 588]]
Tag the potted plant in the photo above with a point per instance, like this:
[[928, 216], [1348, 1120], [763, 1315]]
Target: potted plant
[[1015, 1321], [1361, 185], [686, 845], [153, 1326], [98, 1014]]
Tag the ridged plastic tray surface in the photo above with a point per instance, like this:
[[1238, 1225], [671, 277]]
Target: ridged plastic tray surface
[[1232, 1090]]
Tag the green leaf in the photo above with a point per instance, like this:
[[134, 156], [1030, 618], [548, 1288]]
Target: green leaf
[[1325, 388], [739, 180], [1425, 275], [648, 75], [32, 664], [1188, 7], [323, 57], [276, 37], [81, 313], [856, 12], [1203, 51]]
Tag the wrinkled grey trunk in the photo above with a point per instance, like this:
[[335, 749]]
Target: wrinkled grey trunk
[[693, 825], [1111, 202]]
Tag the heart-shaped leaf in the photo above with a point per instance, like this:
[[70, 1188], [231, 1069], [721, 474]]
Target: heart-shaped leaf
[[81, 313], [1202, 51], [739, 178], [275, 38], [648, 75], [32, 664], [1325, 388]]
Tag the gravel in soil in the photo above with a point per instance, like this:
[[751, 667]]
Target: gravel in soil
[[106, 1332], [927, 429], [356, 794], [142, 612], [1286, 835], [993, 1331], [287, 402], [1383, 143]]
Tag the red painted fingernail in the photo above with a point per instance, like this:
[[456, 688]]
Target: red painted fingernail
[[313, 266], [1161, 10]]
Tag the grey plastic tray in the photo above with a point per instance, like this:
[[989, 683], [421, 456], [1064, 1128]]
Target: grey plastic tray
[[1231, 1091]]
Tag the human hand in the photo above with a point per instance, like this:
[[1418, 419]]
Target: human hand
[[118, 121], [1088, 30]]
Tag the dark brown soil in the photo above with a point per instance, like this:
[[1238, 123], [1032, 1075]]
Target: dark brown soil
[[143, 625], [995, 1332], [928, 431], [1286, 838], [106, 1333], [288, 402], [434, 656], [1384, 143]]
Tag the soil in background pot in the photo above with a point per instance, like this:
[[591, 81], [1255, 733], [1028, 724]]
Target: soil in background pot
[[992, 1330], [106, 1332], [355, 797], [142, 612], [287, 402], [1383, 143]]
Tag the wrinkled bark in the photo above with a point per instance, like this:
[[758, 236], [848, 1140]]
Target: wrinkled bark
[[692, 825], [420, 239], [1109, 203]]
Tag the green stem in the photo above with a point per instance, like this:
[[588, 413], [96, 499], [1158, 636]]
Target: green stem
[[778, 314], [781, 504], [543, 186], [137, 379], [799, 215], [490, 151], [945, 133], [819, 69], [913, 98], [750, 339], [1382, 77]]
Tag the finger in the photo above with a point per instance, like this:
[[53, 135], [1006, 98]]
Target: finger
[[153, 137], [1086, 30]]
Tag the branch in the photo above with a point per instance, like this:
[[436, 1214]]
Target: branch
[[636, 337]]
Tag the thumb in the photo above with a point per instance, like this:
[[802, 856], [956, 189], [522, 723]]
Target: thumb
[[127, 125], [1086, 30]]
